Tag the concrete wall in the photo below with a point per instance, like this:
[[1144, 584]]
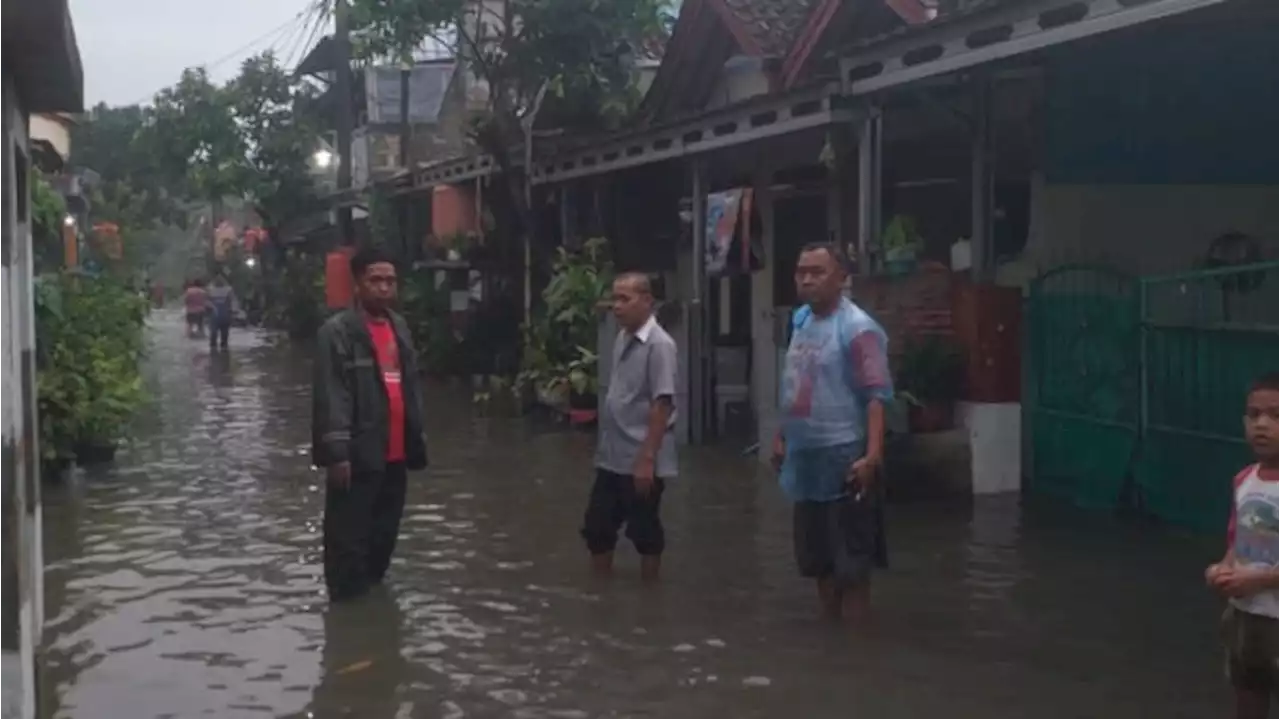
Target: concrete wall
[[55, 131], [1156, 142], [1143, 229], [23, 561]]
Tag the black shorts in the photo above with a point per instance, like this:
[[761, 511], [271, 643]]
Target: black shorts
[[1250, 641], [613, 503], [195, 318], [841, 540]]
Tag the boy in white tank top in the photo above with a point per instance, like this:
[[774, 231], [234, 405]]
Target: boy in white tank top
[[1246, 576]]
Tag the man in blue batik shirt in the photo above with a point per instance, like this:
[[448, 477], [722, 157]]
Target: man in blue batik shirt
[[830, 446]]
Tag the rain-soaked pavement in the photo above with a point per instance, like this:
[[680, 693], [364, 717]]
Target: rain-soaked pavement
[[185, 582]]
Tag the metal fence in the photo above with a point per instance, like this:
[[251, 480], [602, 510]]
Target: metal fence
[[1135, 387], [1205, 337]]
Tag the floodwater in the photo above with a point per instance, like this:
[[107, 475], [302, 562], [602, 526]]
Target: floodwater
[[186, 582]]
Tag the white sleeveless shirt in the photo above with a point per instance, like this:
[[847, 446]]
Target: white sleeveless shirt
[[1254, 534]]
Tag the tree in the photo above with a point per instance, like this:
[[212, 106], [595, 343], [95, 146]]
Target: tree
[[194, 134], [244, 139], [573, 53]]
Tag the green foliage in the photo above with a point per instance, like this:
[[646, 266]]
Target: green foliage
[[127, 187], [384, 218], [278, 139], [47, 213], [930, 369], [194, 136], [426, 309], [556, 353], [578, 48], [901, 238], [295, 301], [244, 139], [89, 342]]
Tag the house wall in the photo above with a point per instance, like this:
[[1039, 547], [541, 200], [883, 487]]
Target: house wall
[[55, 131], [23, 561], [1155, 144]]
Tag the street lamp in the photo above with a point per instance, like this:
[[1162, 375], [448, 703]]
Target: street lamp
[[69, 221], [250, 262], [323, 158]]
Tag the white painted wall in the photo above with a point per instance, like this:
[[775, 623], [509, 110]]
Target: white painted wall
[[53, 130], [20, 475], [1141, 229]]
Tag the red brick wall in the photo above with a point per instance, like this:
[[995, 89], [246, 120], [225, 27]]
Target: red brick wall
[[916, 304]]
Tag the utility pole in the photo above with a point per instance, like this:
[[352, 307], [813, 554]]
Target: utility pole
[[342, 88], [406, 141], [526, 123], [406, 129]]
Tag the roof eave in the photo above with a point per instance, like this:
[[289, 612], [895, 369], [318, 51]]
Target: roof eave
[[41, 54]]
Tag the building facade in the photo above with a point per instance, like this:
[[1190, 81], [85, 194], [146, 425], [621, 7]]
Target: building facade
[[42, 74]]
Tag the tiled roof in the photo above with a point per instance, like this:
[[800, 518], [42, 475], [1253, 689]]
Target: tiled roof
[[773, 24]]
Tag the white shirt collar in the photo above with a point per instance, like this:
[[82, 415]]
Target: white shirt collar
[[642, 334]]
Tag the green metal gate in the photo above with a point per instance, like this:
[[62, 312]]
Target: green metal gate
[[1139, 384], [1082, 343], [1206, 336]]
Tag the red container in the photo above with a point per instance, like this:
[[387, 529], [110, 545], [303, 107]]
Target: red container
[[338, 286]]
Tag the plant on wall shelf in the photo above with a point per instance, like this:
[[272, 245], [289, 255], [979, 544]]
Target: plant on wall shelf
[[901, 240]]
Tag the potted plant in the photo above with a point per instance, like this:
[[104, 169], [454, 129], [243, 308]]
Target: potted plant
[[115, 395], [901, 244], [557, 361], [89, 344], [575, 383], [930, 377]]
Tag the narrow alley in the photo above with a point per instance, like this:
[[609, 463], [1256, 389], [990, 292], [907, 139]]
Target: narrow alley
[[186, 582]]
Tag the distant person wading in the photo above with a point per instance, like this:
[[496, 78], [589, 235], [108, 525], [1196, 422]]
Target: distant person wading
[[196, 303], [222, 307], [367, 429]]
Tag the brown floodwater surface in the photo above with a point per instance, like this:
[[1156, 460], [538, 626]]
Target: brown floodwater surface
[[185, 581]]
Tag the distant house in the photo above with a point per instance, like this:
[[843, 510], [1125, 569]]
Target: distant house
[[437, 118], [42, 74]]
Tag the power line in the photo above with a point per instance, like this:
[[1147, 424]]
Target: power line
[[277, 31], [308, 37], [273, 34]]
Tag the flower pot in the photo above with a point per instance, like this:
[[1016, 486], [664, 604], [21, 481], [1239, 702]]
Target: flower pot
[[91, 452], [932, 416]]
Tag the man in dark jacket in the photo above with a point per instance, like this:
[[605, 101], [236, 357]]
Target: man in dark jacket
[[366, 427]]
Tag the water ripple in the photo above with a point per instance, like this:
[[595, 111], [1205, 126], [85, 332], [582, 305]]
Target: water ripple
[[186, 582]]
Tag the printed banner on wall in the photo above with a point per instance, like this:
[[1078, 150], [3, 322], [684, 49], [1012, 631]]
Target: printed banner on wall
[[722, 222], [732, 247]]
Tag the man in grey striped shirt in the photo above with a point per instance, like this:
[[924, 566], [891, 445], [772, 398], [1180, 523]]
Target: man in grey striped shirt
[[636, 450]]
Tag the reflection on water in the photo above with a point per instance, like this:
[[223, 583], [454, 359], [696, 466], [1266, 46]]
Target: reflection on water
[[185, 582]]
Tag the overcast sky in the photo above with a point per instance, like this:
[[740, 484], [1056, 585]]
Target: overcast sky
[[132, 48]]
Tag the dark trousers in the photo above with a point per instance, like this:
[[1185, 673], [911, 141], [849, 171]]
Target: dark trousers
[[613, 503], [219, 330], [361, 524]]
